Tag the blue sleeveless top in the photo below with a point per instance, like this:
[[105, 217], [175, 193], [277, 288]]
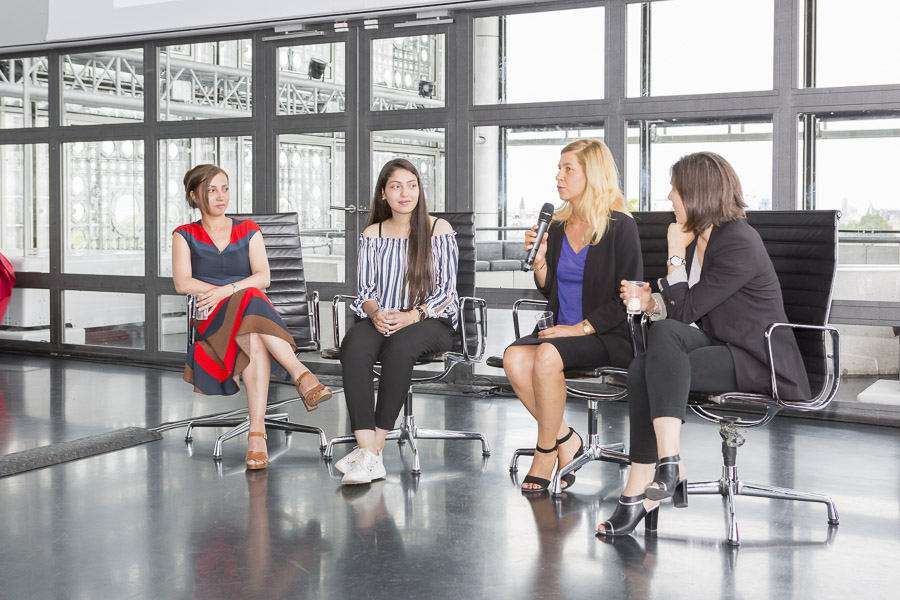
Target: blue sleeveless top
[[570, 282], [214, 267]]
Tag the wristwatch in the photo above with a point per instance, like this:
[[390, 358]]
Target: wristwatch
[[422, 313], [588, 330], [234, 285], [675, 261]]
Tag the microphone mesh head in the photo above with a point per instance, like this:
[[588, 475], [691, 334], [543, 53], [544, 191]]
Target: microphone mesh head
[[546, 212]]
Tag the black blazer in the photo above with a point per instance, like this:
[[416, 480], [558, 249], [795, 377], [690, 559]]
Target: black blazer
[[737, 297], [615, 257]]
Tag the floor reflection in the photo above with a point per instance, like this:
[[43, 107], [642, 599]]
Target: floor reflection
[[159, 521], [272, 555]]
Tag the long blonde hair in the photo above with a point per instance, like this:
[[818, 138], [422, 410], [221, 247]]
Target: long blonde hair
[[602, 192]]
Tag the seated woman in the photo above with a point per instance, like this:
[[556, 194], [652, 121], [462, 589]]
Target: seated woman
[[591, 244], [721, 278], [408, 304], [223, 261]]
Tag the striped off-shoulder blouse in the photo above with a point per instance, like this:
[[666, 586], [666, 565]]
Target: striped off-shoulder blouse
[[381, 270]]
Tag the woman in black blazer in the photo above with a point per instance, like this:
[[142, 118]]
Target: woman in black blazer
[[591, 244], [721, 278]]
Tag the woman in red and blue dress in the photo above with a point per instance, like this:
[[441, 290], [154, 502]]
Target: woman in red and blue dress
[[223, 261]]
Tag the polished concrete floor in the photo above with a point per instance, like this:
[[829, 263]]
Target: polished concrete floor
[[164, 520]]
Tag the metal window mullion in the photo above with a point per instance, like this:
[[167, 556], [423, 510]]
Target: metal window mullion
[[556, 112], [810, 45], [616, 86], [265, 152], [357, 148], [152, 248], [784, 117], [459, 137], [645, 164], [645, 56], [57, 235]]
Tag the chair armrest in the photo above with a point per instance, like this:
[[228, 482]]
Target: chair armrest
[[336, 323], [480, 307], [519, 302], [190, 320], [833, 376], [314, 321]]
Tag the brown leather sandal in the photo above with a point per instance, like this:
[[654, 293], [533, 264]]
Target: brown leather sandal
[[315, 396], [257, 456]]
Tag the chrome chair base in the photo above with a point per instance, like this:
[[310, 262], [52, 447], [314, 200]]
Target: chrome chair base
[[408, 432], [593, 449], [241, 425], [730, 485]]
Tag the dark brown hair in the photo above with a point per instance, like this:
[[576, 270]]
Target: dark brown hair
[[710, 190], [419, 278], [197, 180]]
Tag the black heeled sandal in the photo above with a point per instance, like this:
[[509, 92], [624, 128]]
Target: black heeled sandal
[[569, 478], [670, 485], [627, 515], [543, 483]]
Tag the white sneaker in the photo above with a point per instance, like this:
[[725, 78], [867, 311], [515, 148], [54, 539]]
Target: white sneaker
[[368, 468], [346, 464]]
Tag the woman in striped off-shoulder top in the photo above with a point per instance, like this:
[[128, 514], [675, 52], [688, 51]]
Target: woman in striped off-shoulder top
[[408, 306]]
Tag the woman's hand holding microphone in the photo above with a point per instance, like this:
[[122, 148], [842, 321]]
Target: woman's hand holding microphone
[[540, 259]]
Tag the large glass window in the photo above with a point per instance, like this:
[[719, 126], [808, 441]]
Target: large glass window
[[408, 72], [103, 87], [177, 157], [205, 81], [654, 146], [172, 323], [311, 79], [701, 47], [311, 170], [510, 63], [23, 92], [27, 316], [25, 206], [859, 46], [104, 319], [424, 148], [852, 159], [515, 174], [103, 207]]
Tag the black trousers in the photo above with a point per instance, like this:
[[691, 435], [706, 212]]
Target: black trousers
[[679, 359], [363, 346]]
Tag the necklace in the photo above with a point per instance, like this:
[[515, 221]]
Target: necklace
[[209, 232]]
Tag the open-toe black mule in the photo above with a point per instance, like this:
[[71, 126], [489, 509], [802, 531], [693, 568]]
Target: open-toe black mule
[[627, 515], [670, 485], [569, 478], [543, 483]]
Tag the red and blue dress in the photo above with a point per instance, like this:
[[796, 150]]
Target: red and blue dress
[[215, 359]]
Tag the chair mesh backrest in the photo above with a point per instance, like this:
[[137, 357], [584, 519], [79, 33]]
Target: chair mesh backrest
[[287, 289], [464, 226], [803, 248], [652, 229]]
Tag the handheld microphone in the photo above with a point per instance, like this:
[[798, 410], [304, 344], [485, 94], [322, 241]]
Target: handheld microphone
[[542, 224]]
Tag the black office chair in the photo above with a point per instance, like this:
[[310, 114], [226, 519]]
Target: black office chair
[[803, 246], [610, 376], [652, 228], [287, 293], [468, 347]]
